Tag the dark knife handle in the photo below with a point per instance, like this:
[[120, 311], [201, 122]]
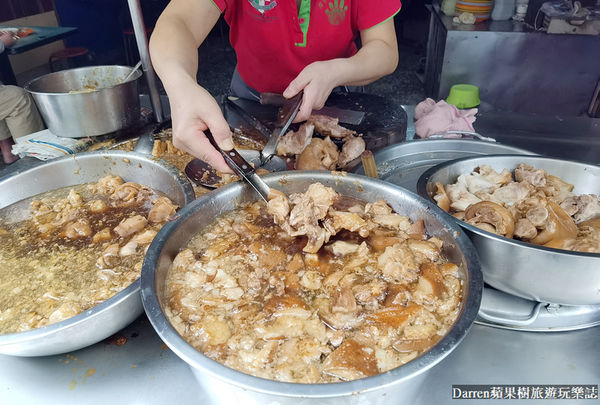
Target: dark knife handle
[[233, 159], [272, 99]]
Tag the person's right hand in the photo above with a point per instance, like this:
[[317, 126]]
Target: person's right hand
[[8, 38], [193, 111]]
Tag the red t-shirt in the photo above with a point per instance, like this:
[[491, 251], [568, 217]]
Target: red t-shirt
[[274, 41]]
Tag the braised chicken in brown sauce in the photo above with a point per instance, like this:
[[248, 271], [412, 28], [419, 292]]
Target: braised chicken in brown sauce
[[77, 247], [314, 287]]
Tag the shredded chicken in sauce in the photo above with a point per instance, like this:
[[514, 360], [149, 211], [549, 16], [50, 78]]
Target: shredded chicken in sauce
[[313, 288], [78, 247], [535, 207]]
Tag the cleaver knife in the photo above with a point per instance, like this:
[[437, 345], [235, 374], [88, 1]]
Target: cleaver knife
[[344, 116]]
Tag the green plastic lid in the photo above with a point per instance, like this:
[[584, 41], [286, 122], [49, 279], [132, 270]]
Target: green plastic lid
[[464, 96]]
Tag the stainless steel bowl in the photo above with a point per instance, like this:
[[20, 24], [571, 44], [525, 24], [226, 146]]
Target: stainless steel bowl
[[117, 312], [112, 106], [523, 269], [403, 163], [224, 385]]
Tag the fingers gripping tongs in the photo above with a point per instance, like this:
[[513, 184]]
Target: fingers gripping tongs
[[242, 168]]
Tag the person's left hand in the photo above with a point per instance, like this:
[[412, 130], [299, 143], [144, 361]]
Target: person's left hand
[[8, 38], [317, 80]]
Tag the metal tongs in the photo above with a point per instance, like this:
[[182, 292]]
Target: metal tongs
[[288, 112], [242, 168]]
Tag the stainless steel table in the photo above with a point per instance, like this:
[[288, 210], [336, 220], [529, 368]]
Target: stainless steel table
[[145, 371]]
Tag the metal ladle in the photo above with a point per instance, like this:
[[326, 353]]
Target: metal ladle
[[135, 68]]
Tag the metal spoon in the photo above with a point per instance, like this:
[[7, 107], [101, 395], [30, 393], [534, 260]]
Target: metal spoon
[[135, 68]]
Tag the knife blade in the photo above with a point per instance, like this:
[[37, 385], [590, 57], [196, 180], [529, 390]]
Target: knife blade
[[344, 116], [288, 112]]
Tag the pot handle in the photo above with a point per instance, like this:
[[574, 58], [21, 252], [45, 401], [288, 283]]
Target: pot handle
[[516, 321], [462, 133]]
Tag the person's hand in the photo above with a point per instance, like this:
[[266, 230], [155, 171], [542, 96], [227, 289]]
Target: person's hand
[[317, 80], [8, 38], [193, 111]]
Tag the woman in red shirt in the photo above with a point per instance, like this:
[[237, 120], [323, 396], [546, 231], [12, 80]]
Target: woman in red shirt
[[282, 46]]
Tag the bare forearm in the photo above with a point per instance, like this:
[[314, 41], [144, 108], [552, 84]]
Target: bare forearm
[[371, 62], [175, 61], [179, 32]]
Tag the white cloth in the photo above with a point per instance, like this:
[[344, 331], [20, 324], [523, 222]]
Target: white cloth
[[44, 145]]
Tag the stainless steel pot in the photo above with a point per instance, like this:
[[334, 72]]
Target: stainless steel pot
[[117, 312], [111, 106], [402, 164], [523, 269], [228, 386]]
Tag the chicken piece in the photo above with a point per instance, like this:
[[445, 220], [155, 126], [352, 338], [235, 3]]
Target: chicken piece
[[97, 206], [107, 185], [75, 199], [307, 210], [493, 176], [558, 189], [351, 361], [353, 147], [512, 193], [460, 197], [379, 207], [64, 311], [328, 126], [278, 206], [344, 301], [489, 214], [320, 154], [393, 221], [370, 294], [339, 220], [141, 239], [130, 192], [417, 230], [109, 257], [475, 182], [131, 225], [582, 207], [102, 236], [162, 209], [524, 229], [342, 248], [431, 283], [78, 229], [424, 250], [441, 198], [533, 176], [294, 142], [398, 264], [559, 225]]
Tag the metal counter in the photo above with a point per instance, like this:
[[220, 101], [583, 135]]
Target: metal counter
[[135, 367], [516, 68], [144, 371]]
